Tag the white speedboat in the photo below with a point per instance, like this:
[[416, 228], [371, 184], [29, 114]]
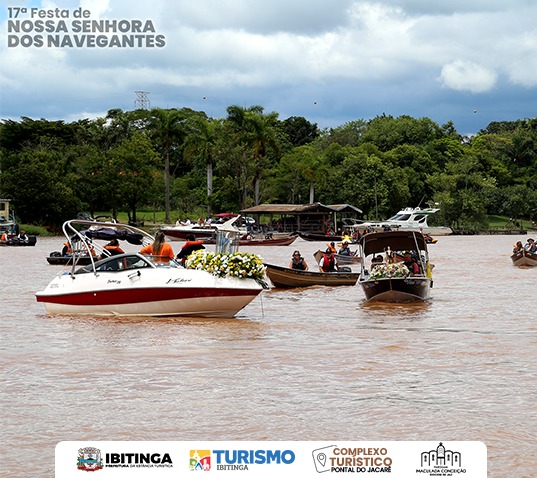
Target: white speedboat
[[201, 231], [132, 284], [408, 219]]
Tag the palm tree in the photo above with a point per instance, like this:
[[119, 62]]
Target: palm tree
[[201, 144], [168, 130], [258, 132]]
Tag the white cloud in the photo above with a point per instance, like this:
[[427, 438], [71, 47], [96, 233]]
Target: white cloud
[[467, 76], [395, 55]]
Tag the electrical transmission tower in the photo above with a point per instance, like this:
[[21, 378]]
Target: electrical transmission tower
[[142, 101]]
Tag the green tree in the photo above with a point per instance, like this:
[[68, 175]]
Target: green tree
[[131, 172], [35, 180], [387, 132], [299, 130]]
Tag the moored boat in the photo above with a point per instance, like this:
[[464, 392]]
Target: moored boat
[[208, 231], [311, 236], [392, 281], [262, 241], [9, 229], [132, 284], [408, 219], [284, 277], [57, 259]]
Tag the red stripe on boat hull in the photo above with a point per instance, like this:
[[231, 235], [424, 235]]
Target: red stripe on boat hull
[[136, 296]]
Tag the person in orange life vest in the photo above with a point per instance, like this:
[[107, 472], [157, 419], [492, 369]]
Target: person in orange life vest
[[328, 262], [113, 249], [518, 247], [332, 247], [161, 251], [411, 263], [66, 248], [189, 247]]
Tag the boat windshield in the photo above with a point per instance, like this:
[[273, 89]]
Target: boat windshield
[[400, 217], [117, 263]]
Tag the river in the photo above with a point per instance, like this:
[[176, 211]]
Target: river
[[309, 364]]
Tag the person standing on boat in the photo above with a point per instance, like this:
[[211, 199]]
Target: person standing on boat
[[298, 262], [328, 262], [161, 251]]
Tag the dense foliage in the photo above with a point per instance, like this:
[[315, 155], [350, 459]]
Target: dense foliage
[[179, 160]]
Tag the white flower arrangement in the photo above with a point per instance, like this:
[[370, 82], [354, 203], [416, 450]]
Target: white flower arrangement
[[383, 271], [243, 265]]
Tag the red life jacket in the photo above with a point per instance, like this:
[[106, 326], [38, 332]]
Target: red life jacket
[[327, 263]]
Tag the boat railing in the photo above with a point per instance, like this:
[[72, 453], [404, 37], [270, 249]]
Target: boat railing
[[82, 245]]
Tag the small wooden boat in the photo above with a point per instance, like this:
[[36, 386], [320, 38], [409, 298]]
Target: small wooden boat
[[310, 236], [393, 282], [267, 241], [524, 259], [285, 278]]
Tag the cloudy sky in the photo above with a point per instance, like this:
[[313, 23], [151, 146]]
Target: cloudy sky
[[331, 61]]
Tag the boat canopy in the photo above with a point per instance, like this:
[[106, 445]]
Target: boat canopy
[[108, 233], [376, 242]]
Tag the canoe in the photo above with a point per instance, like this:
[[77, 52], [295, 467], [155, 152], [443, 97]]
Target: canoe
[[272, 241], [285, 278]]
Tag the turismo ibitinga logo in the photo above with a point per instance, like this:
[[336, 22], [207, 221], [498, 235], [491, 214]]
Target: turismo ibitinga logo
[[238, 460], [200, 460]]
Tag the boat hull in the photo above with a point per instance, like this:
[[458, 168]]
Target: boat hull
[[524, 259], [153, 292], [283, 277], [181, 234], [68, 260], [277, 241], [396, 289], [308, 236]]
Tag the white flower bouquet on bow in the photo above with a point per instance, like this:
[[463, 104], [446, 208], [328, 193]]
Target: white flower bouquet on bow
[[243, 265]]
